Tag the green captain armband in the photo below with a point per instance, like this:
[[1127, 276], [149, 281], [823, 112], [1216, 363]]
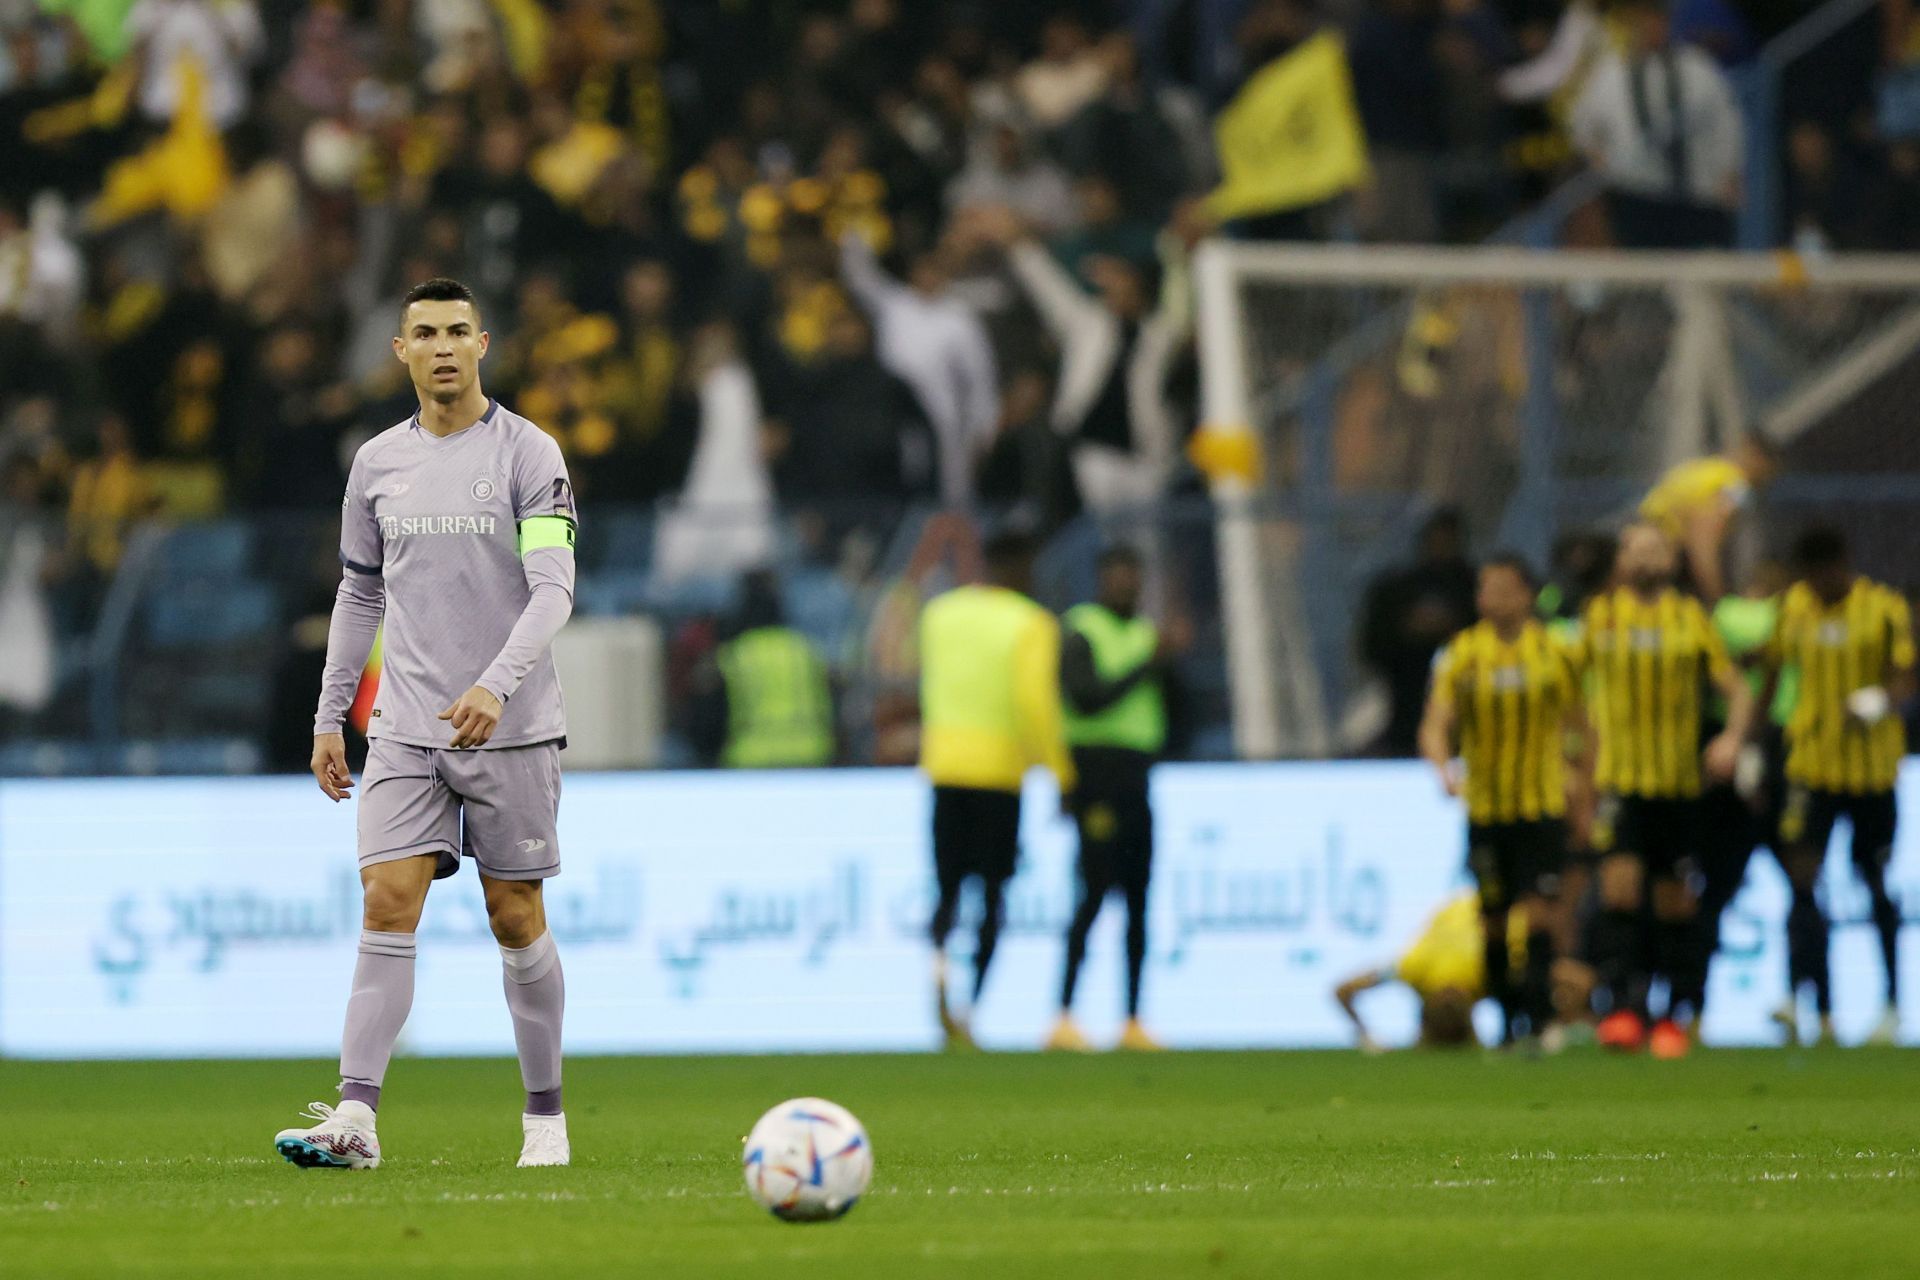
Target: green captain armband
[[545, 531]]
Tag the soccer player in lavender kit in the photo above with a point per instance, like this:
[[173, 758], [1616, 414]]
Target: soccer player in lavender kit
[[457, 532]]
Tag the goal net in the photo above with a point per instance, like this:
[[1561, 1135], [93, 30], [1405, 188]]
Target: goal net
[[1542, 394]]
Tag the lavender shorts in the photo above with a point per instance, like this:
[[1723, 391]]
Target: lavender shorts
[[499, 807]]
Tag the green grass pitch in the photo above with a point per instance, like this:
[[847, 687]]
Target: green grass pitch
[[1748, 1165]]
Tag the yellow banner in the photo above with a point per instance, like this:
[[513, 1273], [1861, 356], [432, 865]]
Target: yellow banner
[[1292, 137]]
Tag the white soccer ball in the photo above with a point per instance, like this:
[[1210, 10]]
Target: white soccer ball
[[807, 1160]]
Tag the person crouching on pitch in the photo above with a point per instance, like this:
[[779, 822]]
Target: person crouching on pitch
[[1505, 693], [989, 711], [1114, 668]]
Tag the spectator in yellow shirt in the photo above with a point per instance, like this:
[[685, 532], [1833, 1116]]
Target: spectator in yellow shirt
[[110, 493]]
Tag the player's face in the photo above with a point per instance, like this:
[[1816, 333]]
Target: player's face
[[1504, 597], [1646, 558], [442, 345]]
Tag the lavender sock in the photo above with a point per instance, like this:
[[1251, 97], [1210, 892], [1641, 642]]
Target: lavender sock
[[537, 999], [382, 996]]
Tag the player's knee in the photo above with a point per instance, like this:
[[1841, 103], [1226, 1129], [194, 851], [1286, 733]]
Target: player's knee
[[390, 905], [514, 914]]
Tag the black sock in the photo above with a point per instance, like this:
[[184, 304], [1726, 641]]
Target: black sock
[[992, 909], [1706, 944], [1084, 914], [1136, 945], [1886, 922], [1674, 950], [1537, 993], [1616, 951], [944, 912], [1499, 981], [1807, 948]]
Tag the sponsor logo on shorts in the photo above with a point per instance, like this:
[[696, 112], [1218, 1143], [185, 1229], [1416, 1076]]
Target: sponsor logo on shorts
[[532, 846]]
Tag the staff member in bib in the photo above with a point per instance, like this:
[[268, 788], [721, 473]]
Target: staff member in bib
[[989, 712], [1114, 670]]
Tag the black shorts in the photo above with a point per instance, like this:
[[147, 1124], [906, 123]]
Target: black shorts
[[1511, 860], [1807, 820], [975, 833], [1663, 833], [1111, 808]]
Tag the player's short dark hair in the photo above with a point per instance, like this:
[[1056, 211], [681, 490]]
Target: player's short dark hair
[[438, 289], [1516, 562], [1121, 554], [1820, 546]]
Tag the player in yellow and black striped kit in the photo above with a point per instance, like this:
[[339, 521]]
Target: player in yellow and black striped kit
[[1503, 693], [1650, 652], [1852, 641]]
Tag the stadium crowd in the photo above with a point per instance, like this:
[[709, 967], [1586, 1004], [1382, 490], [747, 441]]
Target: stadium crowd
[[751, 257]]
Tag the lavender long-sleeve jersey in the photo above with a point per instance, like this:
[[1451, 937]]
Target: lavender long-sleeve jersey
[[463, 546]]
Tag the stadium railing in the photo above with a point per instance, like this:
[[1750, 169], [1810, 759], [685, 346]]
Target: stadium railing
[[203, 655]]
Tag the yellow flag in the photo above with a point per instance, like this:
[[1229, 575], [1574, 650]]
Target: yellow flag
[[1291, 137], [184, 172]]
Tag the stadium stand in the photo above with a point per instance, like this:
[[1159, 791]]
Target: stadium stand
[[215, 207]]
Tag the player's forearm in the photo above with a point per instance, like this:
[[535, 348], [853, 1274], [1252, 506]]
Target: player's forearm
[[548, 609], [1705, 538], [1080, 678], [1346, 993], [1742, 707], [1436, 740], [358, 607]]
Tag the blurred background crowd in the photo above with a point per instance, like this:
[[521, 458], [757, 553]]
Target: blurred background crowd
[[776, 273]]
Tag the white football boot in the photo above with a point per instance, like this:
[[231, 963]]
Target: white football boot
[[344, 1139], [1886, 1031], [546, 1142]]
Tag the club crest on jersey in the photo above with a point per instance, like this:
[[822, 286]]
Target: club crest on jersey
[[482, 489]]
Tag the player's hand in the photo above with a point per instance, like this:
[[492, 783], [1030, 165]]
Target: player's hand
[[1868, 707], [1452, 781], [475, 716], [1176, 638], [1723, 757], [330, 765]]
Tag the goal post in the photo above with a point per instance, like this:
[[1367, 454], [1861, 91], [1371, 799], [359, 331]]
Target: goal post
[[1348, 392]]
